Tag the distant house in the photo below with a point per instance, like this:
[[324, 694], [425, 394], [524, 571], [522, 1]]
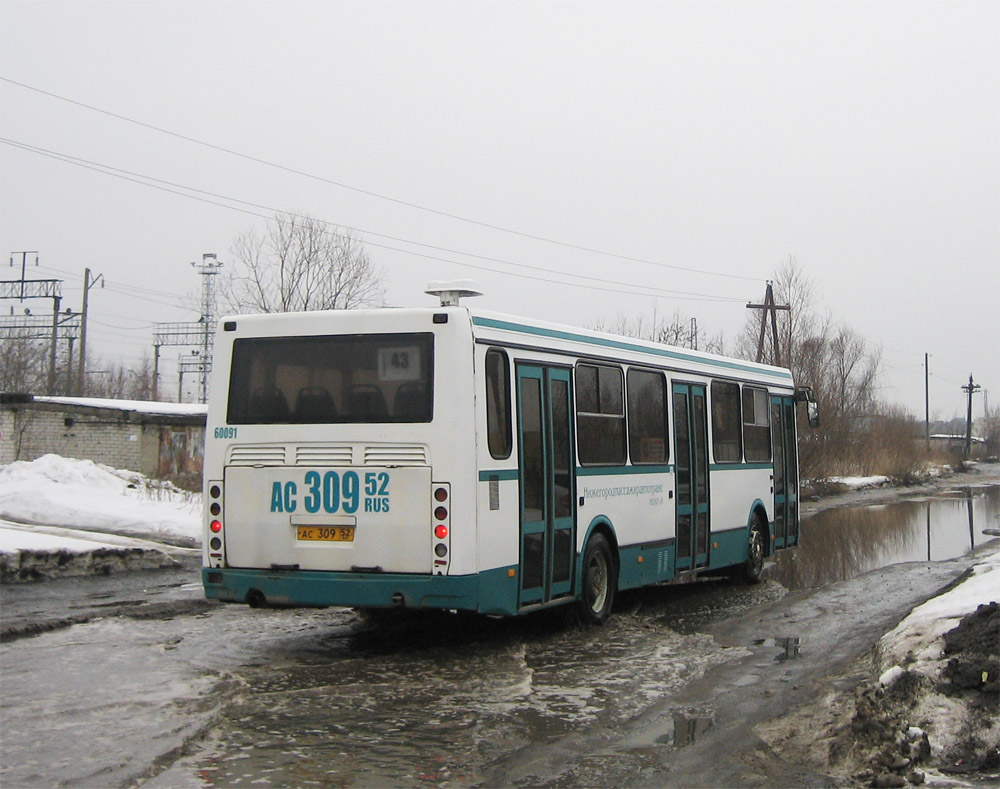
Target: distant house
[[956, 443], [156, 439]]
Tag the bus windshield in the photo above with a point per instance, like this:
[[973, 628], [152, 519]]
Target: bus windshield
[[359, 378]]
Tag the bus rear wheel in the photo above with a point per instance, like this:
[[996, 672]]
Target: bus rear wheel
[[600, 580], [753, 569]]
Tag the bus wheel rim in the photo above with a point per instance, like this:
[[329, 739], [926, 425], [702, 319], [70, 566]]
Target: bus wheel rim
[[756, 549], [597, 581]]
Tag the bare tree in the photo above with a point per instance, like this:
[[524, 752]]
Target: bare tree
[[680, 330], [123, 383], [837, 363], [990, 430], [23, 363], [299, 263], [795, 325]]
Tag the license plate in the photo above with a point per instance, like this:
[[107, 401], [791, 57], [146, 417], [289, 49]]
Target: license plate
[[325, 533]]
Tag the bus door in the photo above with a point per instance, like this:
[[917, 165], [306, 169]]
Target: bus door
[[786, 472], [691, 453], [547, 487]]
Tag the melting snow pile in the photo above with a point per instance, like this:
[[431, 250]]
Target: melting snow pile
[[919, 636], [42, 499], [58, 491], [936, 706]]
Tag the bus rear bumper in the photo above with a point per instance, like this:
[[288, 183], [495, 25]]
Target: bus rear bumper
[[361, 590]]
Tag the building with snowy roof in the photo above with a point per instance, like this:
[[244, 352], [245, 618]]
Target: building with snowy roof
[[165, 440]]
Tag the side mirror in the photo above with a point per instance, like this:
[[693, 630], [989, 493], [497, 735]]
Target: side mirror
[[804, 394], [812, 412]]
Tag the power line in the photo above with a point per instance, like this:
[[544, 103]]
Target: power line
[[154, 183], [142, 325], [123, 289], [137, 297], [145, 180], [370, 193]]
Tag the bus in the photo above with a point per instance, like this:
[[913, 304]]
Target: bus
[[456, 459]]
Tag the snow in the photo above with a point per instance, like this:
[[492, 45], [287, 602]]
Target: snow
[[918, 644], [55, 491], [856, 483], [890, 676], [139, 406], [920, 634], [14, 538]]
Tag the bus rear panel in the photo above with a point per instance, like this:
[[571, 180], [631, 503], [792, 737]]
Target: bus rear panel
[[331, 460]]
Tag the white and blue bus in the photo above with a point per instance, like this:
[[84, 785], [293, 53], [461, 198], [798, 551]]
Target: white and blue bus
[[448, 458]]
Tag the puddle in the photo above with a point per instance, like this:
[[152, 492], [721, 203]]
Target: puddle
[[688, 727], [788, 647], [446, 702], [842, 543]]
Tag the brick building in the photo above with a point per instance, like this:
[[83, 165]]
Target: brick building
[[156, 439]]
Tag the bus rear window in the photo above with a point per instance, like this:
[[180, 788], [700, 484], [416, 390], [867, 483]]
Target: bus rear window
[[360, 378]]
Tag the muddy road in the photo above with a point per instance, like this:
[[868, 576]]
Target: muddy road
[[137, 680]]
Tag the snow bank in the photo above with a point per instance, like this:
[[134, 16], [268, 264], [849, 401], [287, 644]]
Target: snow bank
[[920, 634], [58, 491], [958, 730], [33, 553], [14, 539], [857, 483]]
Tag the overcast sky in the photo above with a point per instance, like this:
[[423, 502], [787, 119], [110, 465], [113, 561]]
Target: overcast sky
[[710, 139]]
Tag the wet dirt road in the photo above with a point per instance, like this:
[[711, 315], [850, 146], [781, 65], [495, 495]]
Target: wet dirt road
[[667, 693]]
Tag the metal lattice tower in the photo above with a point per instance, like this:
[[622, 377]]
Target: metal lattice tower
[[208, 268]]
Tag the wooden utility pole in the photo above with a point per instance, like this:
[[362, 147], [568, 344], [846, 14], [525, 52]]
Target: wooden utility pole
[[88, 283], [769, 308], [52, 345], [927, 401], [971, 389]]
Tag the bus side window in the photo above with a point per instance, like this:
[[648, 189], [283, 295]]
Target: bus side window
[[726, 424], [600, 415], [498, 404], [756, 426], [647, 416]]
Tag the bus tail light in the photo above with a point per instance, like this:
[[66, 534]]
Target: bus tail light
[[441, 528], [216, 536]]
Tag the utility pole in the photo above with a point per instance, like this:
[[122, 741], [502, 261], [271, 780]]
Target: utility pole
[[24, 262], [156, 372], [52, 345], [970, 389], [199, 334], [37, 289], [927, 401], [769, 308], [88, 283], [69, 366], [208, 268]]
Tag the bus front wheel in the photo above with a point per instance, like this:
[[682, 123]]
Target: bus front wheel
[[600, 580]]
